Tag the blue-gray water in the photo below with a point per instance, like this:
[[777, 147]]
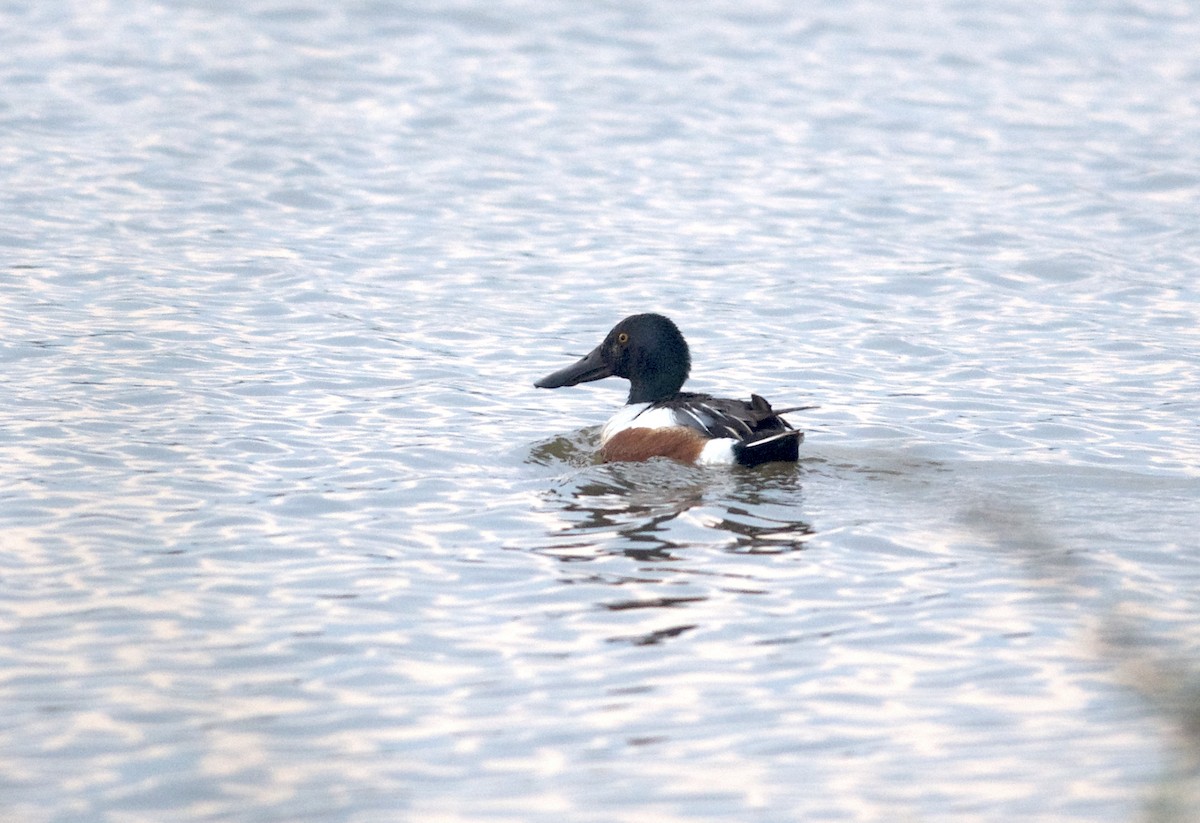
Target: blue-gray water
[[288, 535]]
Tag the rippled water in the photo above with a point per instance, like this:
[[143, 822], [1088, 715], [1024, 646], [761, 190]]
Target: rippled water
[[289, 535]]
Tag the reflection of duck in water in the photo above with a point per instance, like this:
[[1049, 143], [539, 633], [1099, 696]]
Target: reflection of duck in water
[[659, 420]]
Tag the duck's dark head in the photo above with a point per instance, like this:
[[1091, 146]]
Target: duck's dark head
[[645, 349]]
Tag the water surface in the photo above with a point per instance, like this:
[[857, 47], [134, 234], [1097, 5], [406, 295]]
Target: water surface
[[289, 534]]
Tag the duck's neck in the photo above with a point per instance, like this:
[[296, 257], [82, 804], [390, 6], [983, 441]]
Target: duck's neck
[[654, 391]]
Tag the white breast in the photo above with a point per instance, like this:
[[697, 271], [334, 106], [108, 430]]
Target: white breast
[[637, 416]]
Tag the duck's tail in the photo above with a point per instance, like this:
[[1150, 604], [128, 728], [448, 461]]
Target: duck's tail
[[777, 447]]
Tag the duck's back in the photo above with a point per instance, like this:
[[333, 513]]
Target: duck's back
[[722, 417]]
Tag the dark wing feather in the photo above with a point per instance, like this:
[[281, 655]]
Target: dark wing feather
[[720, 417]]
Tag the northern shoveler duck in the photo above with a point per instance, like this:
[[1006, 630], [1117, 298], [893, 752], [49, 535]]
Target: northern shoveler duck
[[659, 420]]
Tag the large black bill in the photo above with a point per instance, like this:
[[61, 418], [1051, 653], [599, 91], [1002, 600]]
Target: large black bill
[[586, 370]]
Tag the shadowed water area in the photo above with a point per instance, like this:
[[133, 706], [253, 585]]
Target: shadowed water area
[[289, 535]]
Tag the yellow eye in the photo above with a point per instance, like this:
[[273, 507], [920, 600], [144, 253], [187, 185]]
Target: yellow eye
[[622, 338]]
